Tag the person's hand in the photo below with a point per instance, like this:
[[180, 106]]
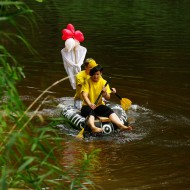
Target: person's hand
[[113, 90], [104, 89], [93, 106]]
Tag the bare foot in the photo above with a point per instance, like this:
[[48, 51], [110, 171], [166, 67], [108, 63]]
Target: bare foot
[[97, 130], [124, 128]]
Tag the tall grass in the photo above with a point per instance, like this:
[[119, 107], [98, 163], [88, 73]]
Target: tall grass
[[27, 158]]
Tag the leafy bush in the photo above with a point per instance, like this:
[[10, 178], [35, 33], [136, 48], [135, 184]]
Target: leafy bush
[[27, 153]]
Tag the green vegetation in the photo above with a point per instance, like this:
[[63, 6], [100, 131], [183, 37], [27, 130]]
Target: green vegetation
[[27, 153]]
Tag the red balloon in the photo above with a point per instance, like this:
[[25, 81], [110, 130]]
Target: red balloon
[[71, 33], [71, 28], [63, 37], [78, 35], [66, 34]]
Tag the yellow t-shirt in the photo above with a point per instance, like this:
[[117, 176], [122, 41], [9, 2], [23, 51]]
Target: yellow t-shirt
[[81, 78], [94, 89]]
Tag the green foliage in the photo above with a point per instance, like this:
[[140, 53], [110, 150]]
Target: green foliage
[[40, 1], [86, 167], [32, 161], [27, 153]]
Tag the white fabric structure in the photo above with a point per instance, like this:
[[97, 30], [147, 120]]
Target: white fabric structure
[[72, 61]]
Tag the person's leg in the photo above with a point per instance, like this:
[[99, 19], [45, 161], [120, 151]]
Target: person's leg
[[103, 111], [90, 123], [106, 111], [86, 111], [115, 119]]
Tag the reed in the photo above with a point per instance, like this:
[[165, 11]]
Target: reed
[[28, 154]]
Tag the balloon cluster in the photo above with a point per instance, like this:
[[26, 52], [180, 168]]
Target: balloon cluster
[[70, 32], [72, 38]]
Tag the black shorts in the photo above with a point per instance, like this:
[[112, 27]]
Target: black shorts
[[101, 110]]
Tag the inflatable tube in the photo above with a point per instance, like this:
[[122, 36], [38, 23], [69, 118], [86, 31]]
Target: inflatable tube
[[74, 116]]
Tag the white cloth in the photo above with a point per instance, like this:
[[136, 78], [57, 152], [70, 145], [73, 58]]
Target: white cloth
[[72, 61], [78, 104]]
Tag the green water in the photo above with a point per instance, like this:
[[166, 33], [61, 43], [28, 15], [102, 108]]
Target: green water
[[144, 45]]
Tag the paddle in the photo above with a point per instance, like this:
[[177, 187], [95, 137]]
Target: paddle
[[125, 103], [80, 135]]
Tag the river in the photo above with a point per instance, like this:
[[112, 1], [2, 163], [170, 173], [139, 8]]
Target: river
[[144, 46]]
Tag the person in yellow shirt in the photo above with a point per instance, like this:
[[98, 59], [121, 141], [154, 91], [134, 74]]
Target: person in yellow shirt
[[81, 77], [90, 92]]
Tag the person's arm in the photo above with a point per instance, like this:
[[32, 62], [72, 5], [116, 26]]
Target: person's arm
[[105, 93], [88, 102]]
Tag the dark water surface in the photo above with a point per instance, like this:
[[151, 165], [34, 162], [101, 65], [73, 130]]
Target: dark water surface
[[144, 45]]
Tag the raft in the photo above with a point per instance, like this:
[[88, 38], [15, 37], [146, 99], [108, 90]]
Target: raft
[[74, 116]]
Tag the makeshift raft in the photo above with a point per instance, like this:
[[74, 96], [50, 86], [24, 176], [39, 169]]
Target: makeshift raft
[[74, 116]]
